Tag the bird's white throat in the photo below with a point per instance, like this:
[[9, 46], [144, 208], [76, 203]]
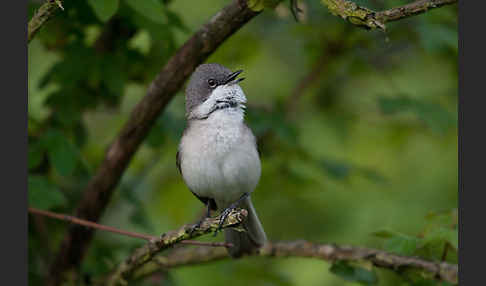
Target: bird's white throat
[[226, 102]]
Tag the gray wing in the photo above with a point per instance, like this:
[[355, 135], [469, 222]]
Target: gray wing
[[204, 200], [178, 155], [178, 161], [248, 129]]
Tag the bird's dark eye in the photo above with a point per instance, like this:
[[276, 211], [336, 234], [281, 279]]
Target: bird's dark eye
[[211, 82]]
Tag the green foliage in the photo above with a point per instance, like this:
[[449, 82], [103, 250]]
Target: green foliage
[[167, 127], [341, 170], [35, 155], [151, 9], [343, 155], [401, 244], [104, 9], [62, 154], [438, 241], [433, 115], [258, 5], [44, 195], [354, 273], [397, 242]]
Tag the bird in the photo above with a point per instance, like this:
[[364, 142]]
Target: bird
[[217, 154]]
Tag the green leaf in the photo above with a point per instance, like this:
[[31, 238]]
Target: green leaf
[[104, 9], [392, 105], [426, 282], [337, 169], [42, 194], [114, 75], [397, 242], [36, 153], [62, 154], [372, 175], [259, 5], [166, 127], [384, 233], [156, 136], [175, 20], [354, 273], [402, 244], [256, 5], [151, 9], [141, 42], [442, 234], [435, 37], [436, 117]]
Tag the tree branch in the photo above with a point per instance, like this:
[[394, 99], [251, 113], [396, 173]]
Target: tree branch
[[329, 252], [364, 17], [171, 78], [179, 67], [93, 225], [45, 13], [145, 254], [412, 9]]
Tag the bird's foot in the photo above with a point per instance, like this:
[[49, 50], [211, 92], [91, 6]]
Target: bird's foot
[[224, 216], [226, 212]]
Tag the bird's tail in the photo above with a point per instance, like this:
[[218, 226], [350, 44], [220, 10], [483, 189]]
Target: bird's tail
[[245, 242]]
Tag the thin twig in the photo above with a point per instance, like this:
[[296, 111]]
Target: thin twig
[[412, 9], [45, 13], [364, 17], [147, 237]]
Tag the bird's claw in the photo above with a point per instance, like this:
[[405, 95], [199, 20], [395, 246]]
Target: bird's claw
[[224, 216], [228, 210]]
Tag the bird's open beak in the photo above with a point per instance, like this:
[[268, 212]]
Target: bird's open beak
[[232, 77]]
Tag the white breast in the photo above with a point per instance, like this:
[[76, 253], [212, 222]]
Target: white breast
[[219, 158]]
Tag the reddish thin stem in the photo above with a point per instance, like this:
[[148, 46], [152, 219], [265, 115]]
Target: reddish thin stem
[[147, 237]]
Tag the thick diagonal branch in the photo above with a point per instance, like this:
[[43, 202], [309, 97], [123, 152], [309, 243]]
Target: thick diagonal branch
[[329, 252], [145, 254], [171, 78]]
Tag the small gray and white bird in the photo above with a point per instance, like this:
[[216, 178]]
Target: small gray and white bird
[[218, 156]]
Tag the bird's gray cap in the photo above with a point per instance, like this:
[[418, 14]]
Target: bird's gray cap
[[204, 80]]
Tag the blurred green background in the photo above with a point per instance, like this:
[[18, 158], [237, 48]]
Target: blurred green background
[[357, 132]]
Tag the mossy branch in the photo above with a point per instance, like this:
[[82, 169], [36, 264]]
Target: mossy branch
[[364, 17], [329, 252], [143, 255], [45, 13]]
